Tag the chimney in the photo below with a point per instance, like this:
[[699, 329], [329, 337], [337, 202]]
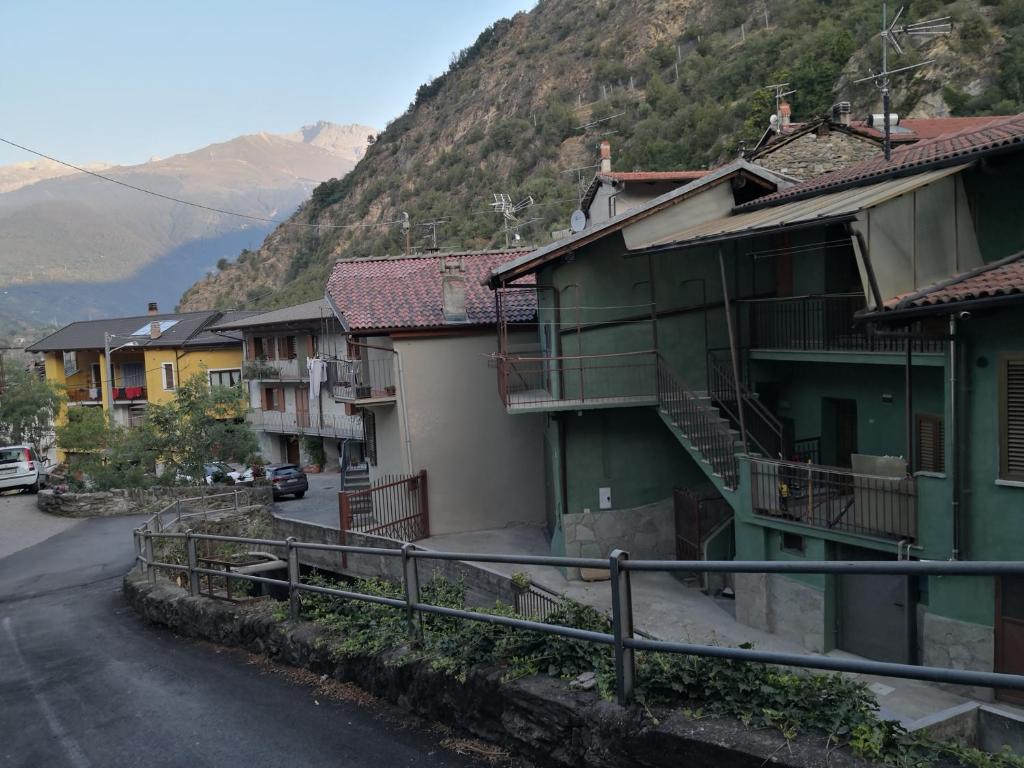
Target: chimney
[[841, 113], [606, 157], [154, 330], [153, 308], [453, 290], [785, 112]]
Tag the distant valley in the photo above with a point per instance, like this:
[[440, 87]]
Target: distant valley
[[73, 246]]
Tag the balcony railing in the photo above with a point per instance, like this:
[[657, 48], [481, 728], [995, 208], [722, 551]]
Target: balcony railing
[[97, 395], [532, 381], [265, 369], [372, 379], [303, 423], [835, 499], [821, 324]]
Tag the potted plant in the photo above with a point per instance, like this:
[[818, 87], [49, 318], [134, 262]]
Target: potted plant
[[317, 456]]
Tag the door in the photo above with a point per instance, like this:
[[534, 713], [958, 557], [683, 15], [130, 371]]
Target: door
[[839, 418], [302, 407], [873, 611], [292, 449], [1010, 632]]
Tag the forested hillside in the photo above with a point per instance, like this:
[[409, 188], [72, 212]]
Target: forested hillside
[[670, 83]]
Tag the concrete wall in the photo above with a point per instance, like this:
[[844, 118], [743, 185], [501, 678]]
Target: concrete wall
[[781, 605], [484, 467]]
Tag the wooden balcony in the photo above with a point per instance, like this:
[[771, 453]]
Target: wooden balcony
[[835, 499], [532, 382]]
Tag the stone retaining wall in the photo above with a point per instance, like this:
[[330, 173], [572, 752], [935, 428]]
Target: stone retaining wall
[[647, 532], [134, 501], [538, 718]]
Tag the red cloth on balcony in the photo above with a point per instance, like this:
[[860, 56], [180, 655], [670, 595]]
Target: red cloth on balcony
[[119, 393], [133, 393]]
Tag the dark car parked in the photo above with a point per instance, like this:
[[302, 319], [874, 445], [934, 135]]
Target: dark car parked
[[287, 480]]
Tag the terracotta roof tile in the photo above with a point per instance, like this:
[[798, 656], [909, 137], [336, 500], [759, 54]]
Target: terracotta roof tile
[[970, 142], [1000, 278], [405, 292]]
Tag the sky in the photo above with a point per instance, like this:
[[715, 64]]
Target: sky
[[121, 82]]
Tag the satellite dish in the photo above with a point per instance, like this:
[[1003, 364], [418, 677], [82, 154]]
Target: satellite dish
[[577, 221]]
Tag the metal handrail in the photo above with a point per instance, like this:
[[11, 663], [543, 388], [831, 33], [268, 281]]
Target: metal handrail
[[622, 637]]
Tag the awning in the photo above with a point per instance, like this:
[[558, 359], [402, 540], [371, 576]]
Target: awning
[[834, 207]]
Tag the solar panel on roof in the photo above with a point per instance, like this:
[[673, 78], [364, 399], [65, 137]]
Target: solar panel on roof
[[164, 325]]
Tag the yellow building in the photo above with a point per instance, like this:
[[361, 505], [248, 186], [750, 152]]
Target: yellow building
[[150, 356]]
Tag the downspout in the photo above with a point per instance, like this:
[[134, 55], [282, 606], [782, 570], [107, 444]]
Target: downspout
[[954, 434], [733, 353], [405, 412]]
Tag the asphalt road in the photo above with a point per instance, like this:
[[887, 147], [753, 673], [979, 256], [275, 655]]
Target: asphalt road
[[84, 683], [319, 505]]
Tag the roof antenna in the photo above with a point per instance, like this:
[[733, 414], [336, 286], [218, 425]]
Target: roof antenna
[[891, 33], [780, 94], [503, 204]]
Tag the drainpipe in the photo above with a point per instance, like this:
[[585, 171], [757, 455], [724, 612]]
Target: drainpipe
[[954, 434], [734, 354], [405, 411]]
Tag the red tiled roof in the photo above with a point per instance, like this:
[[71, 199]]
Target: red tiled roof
[[653, 175], [1000, 278], [405, 292], [932, 127], [995, 134]]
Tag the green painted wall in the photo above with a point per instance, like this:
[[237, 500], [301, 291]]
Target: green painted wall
[[994, 189], [628, 450]]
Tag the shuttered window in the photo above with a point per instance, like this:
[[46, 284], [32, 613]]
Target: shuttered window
[[931, 440], [287, 348], [1011, 417]]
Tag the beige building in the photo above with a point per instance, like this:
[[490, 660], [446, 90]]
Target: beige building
[[421, 333]]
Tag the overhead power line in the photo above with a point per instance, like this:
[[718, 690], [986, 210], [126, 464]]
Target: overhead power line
[[191, 203]]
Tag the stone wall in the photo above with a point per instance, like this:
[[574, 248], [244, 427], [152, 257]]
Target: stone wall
[[538, 718], [956, 645], [782, 606], [134, 501], [812, 154], [483, 587], [645, 532]]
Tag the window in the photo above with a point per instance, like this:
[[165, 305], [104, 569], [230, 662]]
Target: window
[[70, 363], [611, 207], [273, 399], [1011, 417], [228, 378], [94, 376], [133, 374], [287, 348], [792, 543], [931, 443], [167, 376]]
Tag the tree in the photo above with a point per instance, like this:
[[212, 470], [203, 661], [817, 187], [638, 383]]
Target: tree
[[28, 407], [201, 423]]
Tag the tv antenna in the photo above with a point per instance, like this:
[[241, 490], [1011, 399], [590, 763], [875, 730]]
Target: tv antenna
[[510, 212], [433, 231], [780, 94], [892, 34]]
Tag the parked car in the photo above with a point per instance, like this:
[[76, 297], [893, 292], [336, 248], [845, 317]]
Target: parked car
[[19, 468], [287, 480]]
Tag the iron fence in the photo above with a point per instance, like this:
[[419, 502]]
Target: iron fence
[[835, 499], [622, 637], [822, 323], [395, 506], [568, 381], [534, 600]]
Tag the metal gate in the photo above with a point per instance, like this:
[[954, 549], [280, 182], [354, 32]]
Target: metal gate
[[688, 525], [1010, 632], [873, 610]]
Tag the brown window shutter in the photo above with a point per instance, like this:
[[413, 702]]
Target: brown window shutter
[[931, 443], [289, 348], [311, 346], [1012, 422], [279, 394], [250, 348]]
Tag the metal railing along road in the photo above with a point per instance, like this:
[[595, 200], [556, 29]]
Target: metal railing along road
[[622, 638], [181, 509]]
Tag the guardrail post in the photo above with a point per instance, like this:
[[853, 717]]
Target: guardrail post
[[293, 579], [147, 544], [234, 495], [622, 626], [137, 537], [193, 558], [411, 582], [177, 507]]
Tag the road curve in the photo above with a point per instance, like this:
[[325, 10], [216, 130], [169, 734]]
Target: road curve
[[84, 684]]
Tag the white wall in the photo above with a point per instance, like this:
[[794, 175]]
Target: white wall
[[484, 467]]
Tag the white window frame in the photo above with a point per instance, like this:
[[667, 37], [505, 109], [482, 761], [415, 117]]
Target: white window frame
[[163, 377], [70, 359], [236, 371]]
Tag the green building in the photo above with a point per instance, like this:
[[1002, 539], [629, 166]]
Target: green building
[[754, 368]]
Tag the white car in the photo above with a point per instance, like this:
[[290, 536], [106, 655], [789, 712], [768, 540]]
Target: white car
[[19, 468], [218, 467]]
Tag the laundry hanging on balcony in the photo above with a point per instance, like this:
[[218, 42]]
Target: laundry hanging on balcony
[[317, 375]]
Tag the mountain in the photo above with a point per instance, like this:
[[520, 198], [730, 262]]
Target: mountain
[[20, 175], [673, 84], [73, 245]]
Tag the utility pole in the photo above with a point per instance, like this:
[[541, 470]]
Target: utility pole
[[890, 34], [108, 390], [407, 228]]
